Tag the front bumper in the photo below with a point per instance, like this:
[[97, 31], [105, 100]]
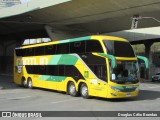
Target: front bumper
[[117, 94]]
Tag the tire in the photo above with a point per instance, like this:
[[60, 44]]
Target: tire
[[84, 91], [72, 89], [24, 82], [29, 83], [153, 80]]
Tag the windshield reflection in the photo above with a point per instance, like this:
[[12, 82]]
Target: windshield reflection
[[125, 72]]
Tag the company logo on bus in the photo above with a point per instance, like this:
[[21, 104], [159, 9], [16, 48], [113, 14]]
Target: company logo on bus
[[32, 61]]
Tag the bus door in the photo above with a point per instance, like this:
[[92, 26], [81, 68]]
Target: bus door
[[101, 72], [98, 85]]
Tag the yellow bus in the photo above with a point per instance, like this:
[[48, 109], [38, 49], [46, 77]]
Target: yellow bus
[[101, 66]]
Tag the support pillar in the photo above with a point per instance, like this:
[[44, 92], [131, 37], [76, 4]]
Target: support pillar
[[148, 45], [2, 58], [7, 47]]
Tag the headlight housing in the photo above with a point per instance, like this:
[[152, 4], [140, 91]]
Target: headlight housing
[[115, 89]]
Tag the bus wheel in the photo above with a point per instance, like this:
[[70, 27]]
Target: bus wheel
[[29, 83], [72, 89], [24, 82], [84, 91]]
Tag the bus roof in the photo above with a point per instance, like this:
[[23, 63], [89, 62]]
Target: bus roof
[[95, 37]]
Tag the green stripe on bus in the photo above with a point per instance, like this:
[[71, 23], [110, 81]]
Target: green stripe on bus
[[52, 78], [68, 60], [63, 59], [76, 39], [54, 60]]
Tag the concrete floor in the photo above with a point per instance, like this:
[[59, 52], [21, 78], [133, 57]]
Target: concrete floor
[[15, 98]]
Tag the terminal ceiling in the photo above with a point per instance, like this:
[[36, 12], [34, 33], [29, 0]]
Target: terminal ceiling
[[76, 16]]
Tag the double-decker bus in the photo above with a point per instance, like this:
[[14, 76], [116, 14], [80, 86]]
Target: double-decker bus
[[101, 66]]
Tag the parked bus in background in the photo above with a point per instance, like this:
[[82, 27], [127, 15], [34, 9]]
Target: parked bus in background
[[101, 66]]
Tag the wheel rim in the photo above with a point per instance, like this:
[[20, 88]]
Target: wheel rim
[[72, 89], [24, 83], [84, 91], [29, 83]]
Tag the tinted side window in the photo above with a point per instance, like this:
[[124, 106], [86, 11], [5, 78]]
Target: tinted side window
[[39, 50], [29, 52], [72, 71], [55, 70], [62, 48], [42, 69], [36, 68], [77, 47], [23, 52], [19, 52], [50, 49], [61, 70], [30, 69], [93, 46], [52, 70]]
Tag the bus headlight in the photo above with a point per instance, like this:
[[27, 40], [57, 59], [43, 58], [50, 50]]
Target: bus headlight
[[114, 88]]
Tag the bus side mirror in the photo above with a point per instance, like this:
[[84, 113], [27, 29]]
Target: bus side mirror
[[111, 57], [145, 61], [113, 60]]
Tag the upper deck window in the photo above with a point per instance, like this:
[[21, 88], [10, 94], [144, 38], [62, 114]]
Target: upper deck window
[[86, 46], [77, 47], [119, 48], [93, 46]]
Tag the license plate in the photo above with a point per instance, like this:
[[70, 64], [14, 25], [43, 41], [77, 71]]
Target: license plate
[[128, 95]]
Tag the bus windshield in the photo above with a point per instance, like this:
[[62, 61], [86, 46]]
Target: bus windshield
[[125, 72]]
